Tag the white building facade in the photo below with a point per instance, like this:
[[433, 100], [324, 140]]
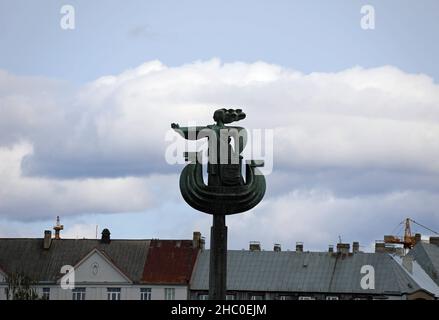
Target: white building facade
[[96, 278], [68, 269]]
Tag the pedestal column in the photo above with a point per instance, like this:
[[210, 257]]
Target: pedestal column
[[218, 258]]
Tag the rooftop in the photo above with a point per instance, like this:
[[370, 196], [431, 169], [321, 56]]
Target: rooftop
[[146, 261], [170, 261], [306, 272], [427, 255]]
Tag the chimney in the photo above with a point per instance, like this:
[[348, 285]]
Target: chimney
[[255, 246], [277, 247], [417, 238], [331, 248], [202, 243], [343, 248], [407, 263], [196, 240], [299, 246], [434, 240], [355, 247], [47, 239], [380, 247], [58, 227], [105, 236]]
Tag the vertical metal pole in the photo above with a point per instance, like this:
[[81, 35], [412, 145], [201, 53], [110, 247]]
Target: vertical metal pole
[[218, 258]]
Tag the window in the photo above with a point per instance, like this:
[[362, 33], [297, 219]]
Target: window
[[145, 293], [113, 293], [203, 297], [169, 294], [46, 294], [306, 298], [331, 298], [78, 294], [231, 296], [257, 297]]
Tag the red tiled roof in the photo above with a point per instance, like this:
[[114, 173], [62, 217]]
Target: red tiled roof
[[169, 262]]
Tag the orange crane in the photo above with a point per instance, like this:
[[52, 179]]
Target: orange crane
[[409, 240]]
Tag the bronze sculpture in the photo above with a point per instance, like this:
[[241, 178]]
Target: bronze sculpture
[[226, 191]]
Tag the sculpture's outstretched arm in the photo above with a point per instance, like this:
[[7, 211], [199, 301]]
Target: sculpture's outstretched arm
[[189, 133]]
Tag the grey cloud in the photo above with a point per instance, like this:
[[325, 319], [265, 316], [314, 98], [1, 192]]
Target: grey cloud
[[359, 133]]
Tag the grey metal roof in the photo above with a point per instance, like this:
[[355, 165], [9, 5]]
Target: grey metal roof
[[419, 275], [305, 272], [28, 256], [427, 255]]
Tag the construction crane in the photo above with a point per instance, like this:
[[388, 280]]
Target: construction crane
[[409, 240]]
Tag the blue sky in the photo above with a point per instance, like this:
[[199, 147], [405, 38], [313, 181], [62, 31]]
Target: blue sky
[[111, 36], [356, 112]]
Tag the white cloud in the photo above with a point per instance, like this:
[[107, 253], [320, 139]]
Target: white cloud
[[356, 139], [116, 125]]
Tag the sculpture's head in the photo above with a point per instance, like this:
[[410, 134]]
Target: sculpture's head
[[223, 116]]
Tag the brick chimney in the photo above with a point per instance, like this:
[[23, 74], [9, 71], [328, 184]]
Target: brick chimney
[[417, 238], [196, 240], [299, 246], [277, 247], [380, 247], [47, 239], [355, 247], [255, 246], [434, 240], [343, 248], [105, 236]]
